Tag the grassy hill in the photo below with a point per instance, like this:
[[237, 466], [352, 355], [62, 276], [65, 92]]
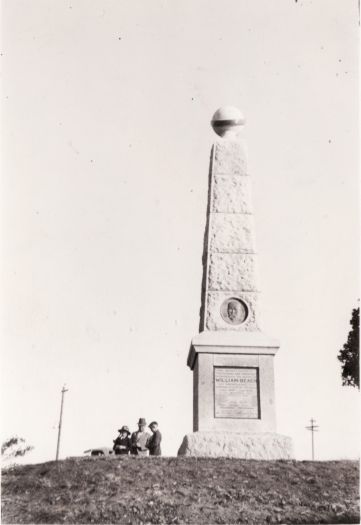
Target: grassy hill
[[181, 490]]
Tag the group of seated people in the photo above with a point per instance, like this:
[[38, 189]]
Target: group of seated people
[[140, 442]]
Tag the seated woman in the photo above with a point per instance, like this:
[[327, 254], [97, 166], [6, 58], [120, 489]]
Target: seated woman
[[122, 442]]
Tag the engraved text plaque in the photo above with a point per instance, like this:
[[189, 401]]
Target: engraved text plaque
[[236, 392]]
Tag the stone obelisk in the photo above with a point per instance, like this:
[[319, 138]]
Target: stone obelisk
[[231, 359]]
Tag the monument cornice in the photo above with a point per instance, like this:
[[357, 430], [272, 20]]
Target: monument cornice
[[231, 342]]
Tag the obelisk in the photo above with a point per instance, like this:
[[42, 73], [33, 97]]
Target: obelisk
[[231, 358]]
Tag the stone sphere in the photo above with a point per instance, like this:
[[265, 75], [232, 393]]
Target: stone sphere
[[227, 121]]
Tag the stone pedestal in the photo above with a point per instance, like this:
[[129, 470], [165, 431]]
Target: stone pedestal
[[268, 446], [233, 398], [233, 382]]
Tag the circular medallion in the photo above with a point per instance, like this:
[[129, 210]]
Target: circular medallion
[[234, 311]]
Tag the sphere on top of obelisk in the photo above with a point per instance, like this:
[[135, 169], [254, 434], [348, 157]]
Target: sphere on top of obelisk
[[227, 121]]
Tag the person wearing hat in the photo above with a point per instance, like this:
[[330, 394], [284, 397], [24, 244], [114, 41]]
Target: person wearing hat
[[153, 444], [140, 439], [122, 443]]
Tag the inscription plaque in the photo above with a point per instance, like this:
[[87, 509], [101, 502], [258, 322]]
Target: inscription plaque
[[236, 393]]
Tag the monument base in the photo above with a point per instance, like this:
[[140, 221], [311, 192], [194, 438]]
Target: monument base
[[266, 445]]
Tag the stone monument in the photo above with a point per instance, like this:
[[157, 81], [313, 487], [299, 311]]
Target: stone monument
[[231, 359]]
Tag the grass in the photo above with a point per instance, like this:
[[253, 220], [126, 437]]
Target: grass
[[181, 490]]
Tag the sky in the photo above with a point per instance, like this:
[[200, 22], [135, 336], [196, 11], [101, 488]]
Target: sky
[[106, 109]]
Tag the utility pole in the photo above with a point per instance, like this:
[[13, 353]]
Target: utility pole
[[60, 420], [313, 428]]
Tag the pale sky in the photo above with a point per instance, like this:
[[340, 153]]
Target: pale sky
[[106, 107]]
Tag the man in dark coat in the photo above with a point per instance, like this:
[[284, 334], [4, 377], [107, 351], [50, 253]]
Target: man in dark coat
[[154, 441], [122, 442]]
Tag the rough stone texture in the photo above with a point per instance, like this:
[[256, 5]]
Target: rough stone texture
[[231, 233], [229, 250], [267, 445], [229, 158], [231, 194], [214, 320], [232, 271]]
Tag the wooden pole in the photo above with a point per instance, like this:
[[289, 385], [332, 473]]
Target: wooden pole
[[313, 428], [60, 421]]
